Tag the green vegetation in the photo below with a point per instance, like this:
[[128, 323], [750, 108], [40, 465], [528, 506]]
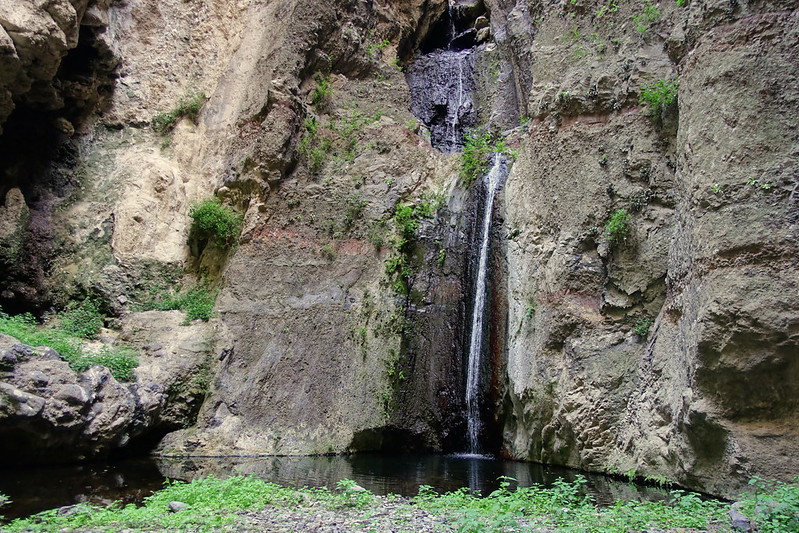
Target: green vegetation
[[120, 360], [375, 48], [334, 137], [82, 319], [197, 302], [643, 326], [476, 152], [211, 219], [188, 107], [658, 96], [328, 252], [774, 506], [407, 218], [214, 504], [617, 228], [320, 97], [649, 16], [566, 507]]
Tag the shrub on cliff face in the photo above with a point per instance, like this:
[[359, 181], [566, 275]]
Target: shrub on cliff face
[[659, 96], [189, 107], [211, 219], [618, 226]]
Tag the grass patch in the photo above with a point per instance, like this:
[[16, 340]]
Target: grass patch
[[197, 302], [213, 503], [82, 319], [211, 219], [120, 360], [320, 97], [188, 107]]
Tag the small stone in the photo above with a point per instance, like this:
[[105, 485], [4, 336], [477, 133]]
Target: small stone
[[176, 507], [739, 521], [122, 299]]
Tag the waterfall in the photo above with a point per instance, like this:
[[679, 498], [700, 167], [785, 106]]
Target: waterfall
[[493, 181], [441, 83]]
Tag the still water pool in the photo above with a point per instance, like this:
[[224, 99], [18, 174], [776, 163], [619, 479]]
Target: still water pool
[[36, 489]]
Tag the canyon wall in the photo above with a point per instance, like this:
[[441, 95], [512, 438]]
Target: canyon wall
[[669, 351]]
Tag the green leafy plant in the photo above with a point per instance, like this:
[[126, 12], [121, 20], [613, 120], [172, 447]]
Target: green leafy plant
[[211, 219], [650, 15], [320, 97], [475, 158], [188, 107], [617, 228], [773, 506], [643, 326], [658, 96], [82, 319]]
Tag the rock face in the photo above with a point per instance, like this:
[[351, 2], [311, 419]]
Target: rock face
[[704, 397], [668, 349], [50, 413]]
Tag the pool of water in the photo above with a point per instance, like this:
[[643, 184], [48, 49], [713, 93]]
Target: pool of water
[[36, 489]]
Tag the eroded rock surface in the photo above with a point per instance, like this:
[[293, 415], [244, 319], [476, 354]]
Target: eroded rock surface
[[50, 413]]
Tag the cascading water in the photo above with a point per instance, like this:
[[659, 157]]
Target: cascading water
[[493, 181], [441, 84]]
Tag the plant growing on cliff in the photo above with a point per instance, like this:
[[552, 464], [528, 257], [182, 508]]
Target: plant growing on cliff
[[643, 326], [197, 302], [475, 159], [320, 96], [188, 107], [211, 219], [617, 228], [120, 360], [407, 219], [650, 15], [659, 96]]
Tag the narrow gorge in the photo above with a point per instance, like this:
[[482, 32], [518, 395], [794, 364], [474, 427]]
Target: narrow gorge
[[560, 232]]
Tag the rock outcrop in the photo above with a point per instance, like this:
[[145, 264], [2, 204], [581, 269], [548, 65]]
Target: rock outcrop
[[49, 413]]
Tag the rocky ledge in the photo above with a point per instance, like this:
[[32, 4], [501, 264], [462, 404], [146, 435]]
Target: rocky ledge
[[51, 413]]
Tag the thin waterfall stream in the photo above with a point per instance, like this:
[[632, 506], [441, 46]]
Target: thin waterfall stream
[[493, 181]]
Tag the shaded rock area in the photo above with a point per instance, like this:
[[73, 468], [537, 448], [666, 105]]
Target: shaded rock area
[[49, 413]]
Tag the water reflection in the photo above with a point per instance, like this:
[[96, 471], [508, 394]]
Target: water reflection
[[37, 489], [403, 474]]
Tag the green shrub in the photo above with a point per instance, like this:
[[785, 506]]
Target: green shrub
[[320, 97], [650, 15], [643, 326], [188, 107], [618, 226], [197, 302], [211, 219], [82, 319], [476, 156], [120, 360], [774, 506], [658, 96]]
